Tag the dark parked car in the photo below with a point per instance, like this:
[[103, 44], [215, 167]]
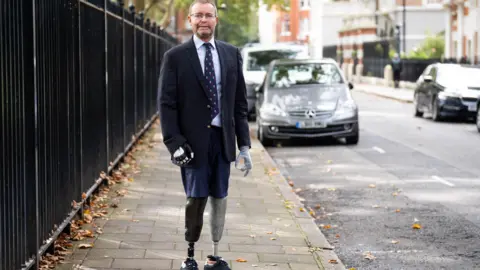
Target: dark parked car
[[305, 99], [448, 90]]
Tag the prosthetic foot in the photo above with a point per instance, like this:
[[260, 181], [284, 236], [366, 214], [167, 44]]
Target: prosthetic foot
[[217, 223], [193, 225]]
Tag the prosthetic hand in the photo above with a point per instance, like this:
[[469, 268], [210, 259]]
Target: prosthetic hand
[[183, 155], [247, 160]]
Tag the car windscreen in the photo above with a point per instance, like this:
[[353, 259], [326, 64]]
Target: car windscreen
[[458, 76], [259, 60], [287, 75]]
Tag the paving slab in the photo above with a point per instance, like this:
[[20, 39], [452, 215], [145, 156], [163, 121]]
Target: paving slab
[[266, 224]]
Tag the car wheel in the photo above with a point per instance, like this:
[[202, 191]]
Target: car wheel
[[352, 139], [415, 107], [436, 111], [478, 117], [262, 138]]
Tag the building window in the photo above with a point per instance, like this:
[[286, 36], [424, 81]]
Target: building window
[[304, 4], [286, 26]]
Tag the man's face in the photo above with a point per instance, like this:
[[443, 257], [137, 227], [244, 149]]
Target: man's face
[[203, 20]]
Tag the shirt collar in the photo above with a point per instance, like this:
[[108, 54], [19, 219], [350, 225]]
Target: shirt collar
[[198, 42]]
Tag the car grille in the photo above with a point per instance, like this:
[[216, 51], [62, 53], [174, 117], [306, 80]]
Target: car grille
[[302, 113], [294, 130]]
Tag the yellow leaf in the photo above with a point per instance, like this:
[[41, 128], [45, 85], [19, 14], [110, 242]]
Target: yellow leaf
[[395, 194], [397, 211], [301, 209], [329, 162], [130, 179], [327, 226], [351, 268], [394, 242], [416, 226], [241, 260], [333, 261]]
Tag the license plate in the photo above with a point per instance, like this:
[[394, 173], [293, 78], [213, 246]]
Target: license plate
[[310, 124], [472, 107]]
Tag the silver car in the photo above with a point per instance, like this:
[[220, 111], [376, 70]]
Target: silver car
[[305, 99]]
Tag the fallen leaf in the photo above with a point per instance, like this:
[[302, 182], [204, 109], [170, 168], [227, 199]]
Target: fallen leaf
[[291, 183], [241, 260], [337, 235], [375, 206], [371, 186], [332, 189], [397, 211], [327, 226], [394, 242], [333, 261], [351, 268], [416, 226], [301, 209], [83, 246], [395, 194], [318, 206], [329, 161], [269, 232], [369, 256], [273, 238], [298, 190], [130, 179]]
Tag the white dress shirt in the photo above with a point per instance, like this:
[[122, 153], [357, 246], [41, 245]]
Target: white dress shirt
[[201, 51]]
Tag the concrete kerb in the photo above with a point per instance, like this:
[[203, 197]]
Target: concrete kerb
[[316, 241]]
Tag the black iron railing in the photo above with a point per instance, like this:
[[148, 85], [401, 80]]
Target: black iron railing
[[78, 81]]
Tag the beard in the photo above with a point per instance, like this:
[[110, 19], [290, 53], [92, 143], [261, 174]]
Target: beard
[[204, 34]]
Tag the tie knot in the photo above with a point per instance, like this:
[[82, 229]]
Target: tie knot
[[208, 45]]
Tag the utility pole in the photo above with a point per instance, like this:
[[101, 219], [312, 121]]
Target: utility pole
[[404, 26]]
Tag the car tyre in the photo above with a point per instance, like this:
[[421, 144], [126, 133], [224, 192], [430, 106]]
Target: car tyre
[[261, 137], [436, 111], [351, 140], [415, 106], [478, 117]]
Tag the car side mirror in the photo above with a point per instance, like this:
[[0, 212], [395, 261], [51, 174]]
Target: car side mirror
[[427, 78], [350, 85]]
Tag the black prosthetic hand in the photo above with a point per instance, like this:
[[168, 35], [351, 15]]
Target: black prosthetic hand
[[183, 155]]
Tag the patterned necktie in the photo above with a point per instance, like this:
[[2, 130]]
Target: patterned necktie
[[211, 80]]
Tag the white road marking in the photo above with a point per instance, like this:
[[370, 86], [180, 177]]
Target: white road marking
[[441, 180], [378, 149]]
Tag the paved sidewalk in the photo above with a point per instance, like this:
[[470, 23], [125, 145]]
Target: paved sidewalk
[[400, 94], [265, 228]]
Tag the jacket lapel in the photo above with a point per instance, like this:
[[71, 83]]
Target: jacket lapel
[[193, 55], [223, 67]]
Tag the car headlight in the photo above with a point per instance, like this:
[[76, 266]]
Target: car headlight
[[345, 109], [269, 109], [448, 94]]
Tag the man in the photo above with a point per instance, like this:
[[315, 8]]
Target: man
[[397, 69], [203, 107]]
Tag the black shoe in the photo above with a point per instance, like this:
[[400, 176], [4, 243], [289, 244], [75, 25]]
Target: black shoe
[[220, 264], [189, 264]]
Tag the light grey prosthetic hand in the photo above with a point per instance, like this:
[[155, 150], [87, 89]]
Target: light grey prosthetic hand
[[247, 160]]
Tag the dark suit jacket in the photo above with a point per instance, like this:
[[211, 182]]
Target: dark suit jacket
[[182, 101]]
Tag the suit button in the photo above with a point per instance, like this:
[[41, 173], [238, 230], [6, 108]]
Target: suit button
[[208, 126], [208, 106]]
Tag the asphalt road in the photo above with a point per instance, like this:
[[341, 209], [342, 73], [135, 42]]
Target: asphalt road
[[424, 173]]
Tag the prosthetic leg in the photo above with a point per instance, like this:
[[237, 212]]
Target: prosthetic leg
[[193, 225], [217, 223]]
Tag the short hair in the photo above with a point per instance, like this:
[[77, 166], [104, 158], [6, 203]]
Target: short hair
[[202, 2]]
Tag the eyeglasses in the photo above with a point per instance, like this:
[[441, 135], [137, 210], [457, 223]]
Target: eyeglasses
[[201, 16]]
